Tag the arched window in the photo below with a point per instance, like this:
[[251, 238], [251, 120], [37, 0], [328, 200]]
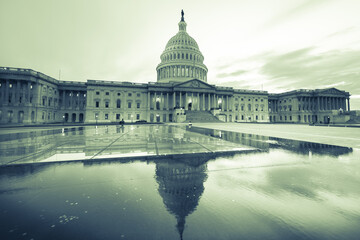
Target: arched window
[[118, 103]]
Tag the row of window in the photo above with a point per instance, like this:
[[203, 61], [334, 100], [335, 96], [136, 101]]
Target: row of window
[[119, 94], [119, 117], [20, 99], [174, 56], [242, 107], [242, 99], [118, 104], [306, 118], [243, 117], [11, 85]]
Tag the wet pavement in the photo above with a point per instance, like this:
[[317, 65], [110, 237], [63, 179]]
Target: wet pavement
[[108, 142], [287, 190]]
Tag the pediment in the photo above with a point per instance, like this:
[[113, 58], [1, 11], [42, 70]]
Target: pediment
[[197, 84], [332, 91]]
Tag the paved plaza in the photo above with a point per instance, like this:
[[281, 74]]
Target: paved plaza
[[340, 136]]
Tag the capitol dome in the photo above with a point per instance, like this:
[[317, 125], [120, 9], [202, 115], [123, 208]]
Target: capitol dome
[[181, 59]]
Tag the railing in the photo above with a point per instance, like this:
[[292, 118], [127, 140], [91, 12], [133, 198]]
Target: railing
[[117, 83], [30, 71]]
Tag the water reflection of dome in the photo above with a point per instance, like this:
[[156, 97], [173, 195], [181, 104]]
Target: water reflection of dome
[[181, 185]]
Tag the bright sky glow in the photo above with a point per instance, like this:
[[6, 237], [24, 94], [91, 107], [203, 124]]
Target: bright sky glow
[[274, 45]]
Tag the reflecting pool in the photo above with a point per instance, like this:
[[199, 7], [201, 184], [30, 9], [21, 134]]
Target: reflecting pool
[[117, 189]]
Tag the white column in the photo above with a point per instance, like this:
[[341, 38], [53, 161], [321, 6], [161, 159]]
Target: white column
[[180, 100], [203, 106], [161, 101], [167, 101], [227, 103], [209, 105], [174, 100]]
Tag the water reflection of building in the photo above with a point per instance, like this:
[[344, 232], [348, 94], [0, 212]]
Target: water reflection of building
[[117, 141], [266, 142], [181, 184], [40, 145]]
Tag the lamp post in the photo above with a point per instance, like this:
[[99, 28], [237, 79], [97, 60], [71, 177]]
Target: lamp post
[[96, 117], [63, 119]]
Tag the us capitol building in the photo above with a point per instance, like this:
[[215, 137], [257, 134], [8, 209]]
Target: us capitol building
[[180, 94]]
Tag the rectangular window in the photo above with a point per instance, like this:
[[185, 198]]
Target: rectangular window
[[138, 95], [129, 116], [137, 116], [138, 105], [117, 116], [106, 104], [106, 116], [129, 104], [107, 93], [129, 94], [97, 93], [97, 104]]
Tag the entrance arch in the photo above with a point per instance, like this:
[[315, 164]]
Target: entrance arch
[[20, 117], [81, 117]]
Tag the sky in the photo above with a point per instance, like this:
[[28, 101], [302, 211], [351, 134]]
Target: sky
[[271, 45]]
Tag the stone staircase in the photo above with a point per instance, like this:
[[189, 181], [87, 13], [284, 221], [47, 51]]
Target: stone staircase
[[200, 116]]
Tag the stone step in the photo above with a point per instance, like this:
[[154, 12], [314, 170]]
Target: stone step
[[200, 116]]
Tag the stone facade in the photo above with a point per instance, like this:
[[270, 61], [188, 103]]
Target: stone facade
[[29, 97], [309, 106]]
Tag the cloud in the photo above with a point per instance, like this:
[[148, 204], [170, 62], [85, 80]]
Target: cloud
[[302, 69], [294, 12], [236, 73]]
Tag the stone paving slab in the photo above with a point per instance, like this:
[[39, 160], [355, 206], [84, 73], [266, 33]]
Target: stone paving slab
[[340, 136]]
